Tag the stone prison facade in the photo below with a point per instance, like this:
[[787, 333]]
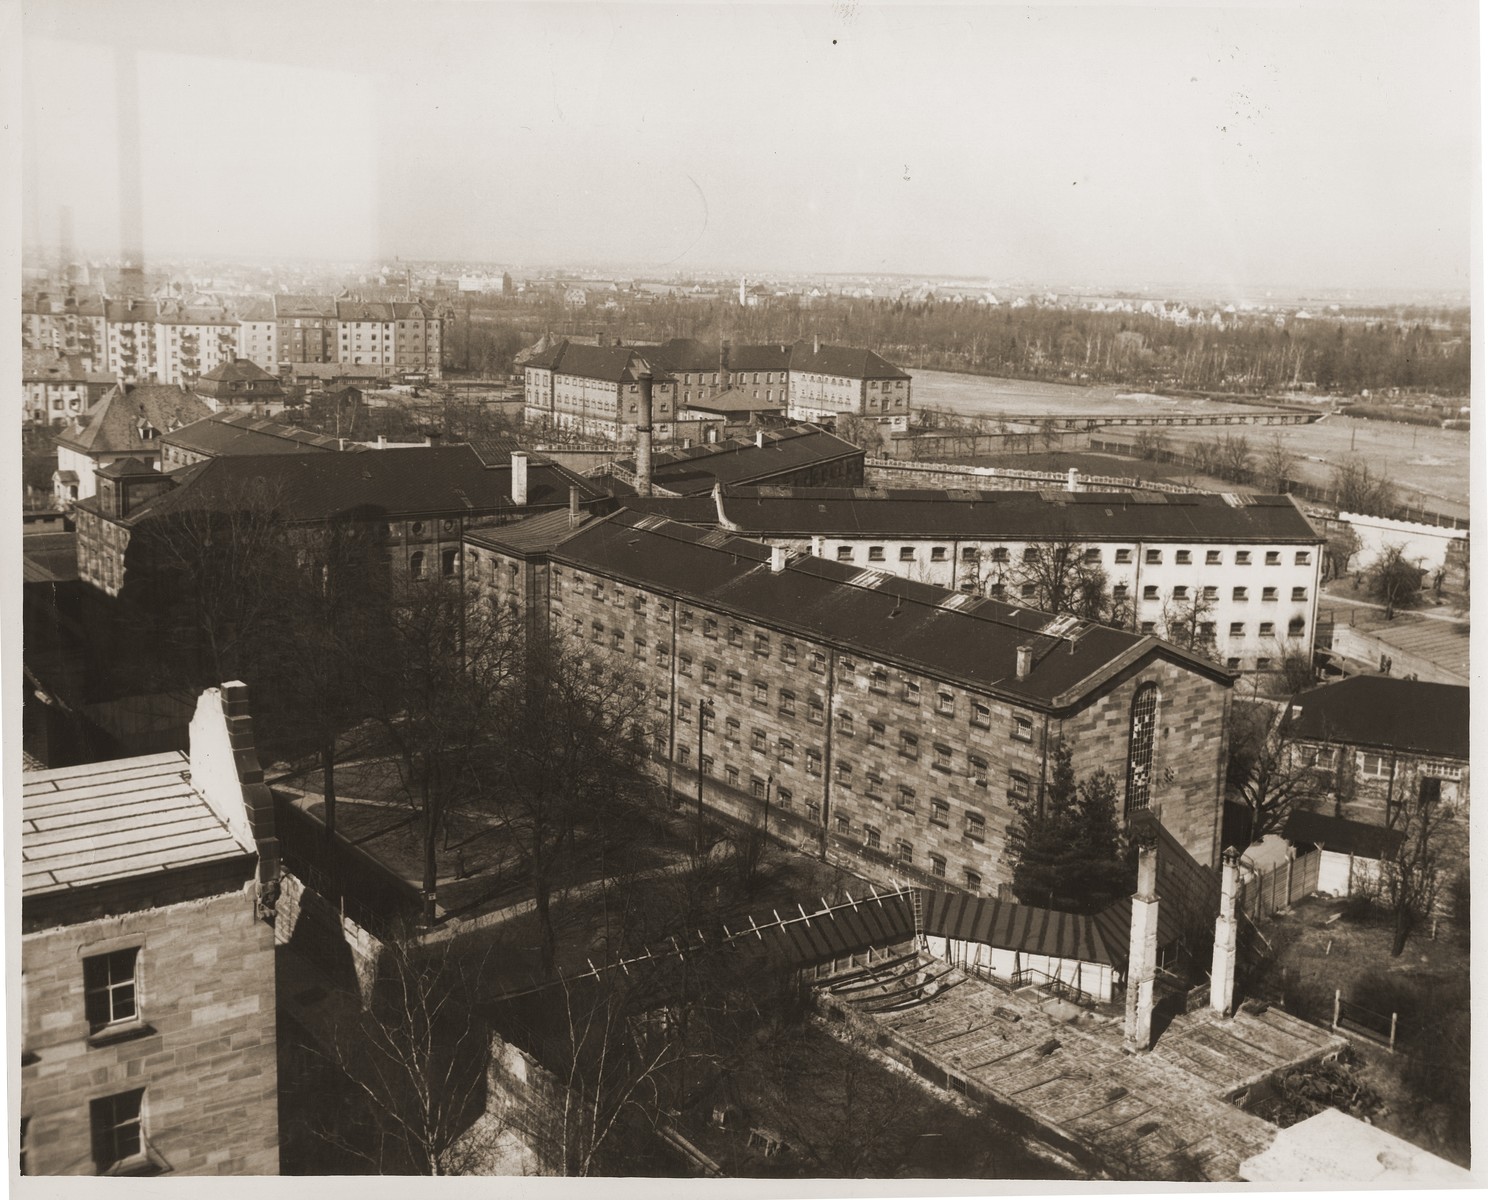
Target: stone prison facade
[[871, 739]]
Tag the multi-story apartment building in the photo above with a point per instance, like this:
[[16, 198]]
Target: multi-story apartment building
[[884, 723], [258, 333], [147, 960], [810, 381], [1237, 576], [70, 325], [57, 387], [418, 339], [192, 340], [364, 333], [305, 329], [130, 339], [126, 424]]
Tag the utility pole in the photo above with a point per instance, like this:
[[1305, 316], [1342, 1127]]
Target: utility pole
[[705, 706]]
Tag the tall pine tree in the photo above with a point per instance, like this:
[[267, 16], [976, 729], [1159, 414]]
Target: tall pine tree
[[1069, 853]]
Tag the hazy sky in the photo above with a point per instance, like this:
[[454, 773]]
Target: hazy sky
[[1322, 146]]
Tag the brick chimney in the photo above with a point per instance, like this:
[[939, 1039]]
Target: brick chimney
[[519, 478], [1222, 968], [574, 515], [1025, 661], [777, 559], [1141, 966]]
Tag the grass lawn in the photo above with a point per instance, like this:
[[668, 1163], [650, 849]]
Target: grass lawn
[[1322, 947]]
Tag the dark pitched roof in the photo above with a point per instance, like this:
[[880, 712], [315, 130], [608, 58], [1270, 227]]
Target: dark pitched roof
[[684, 354], [533, 535], [738, 461], [767, 357], [1343, 836], [949, 635], [1385, 713], [126, 311], [411, 482], [239, 370], [49, 557], [304, 306], [364, 310], [612, 364], [113, 424], [929, 512], [736, 400], [854, 362], [243, 433]]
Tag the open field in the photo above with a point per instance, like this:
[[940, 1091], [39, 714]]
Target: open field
[[1432, 463], [988, 396]]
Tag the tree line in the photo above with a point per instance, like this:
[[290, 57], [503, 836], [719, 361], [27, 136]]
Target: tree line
[[1407, 348]]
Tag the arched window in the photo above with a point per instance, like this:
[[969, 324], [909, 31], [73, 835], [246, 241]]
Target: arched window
[[416, 564], [1139, 747]]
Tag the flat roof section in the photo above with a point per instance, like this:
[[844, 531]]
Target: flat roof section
[[99, 822]]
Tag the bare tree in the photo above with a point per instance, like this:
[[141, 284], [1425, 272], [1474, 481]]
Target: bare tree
[[1393, 579], [208, 576], [1150, 442], [1267, 772], [1277, 464], [1189, 623], [863, 432], [1343, 543], [563, 757], [410, 1066], [436, 690], [1411, 879], [1060, 574], [1234, 458], [1357, 489]]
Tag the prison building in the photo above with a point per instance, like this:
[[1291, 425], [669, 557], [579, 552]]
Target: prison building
[[883, 723]]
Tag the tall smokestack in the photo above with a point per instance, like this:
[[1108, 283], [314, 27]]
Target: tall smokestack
[[1222, 968], [1141, 965], [519, 478], [643, 438]]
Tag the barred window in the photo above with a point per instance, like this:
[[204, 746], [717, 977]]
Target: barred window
[[1141, 741]]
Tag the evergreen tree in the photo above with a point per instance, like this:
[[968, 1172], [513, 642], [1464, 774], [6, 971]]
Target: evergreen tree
[[1100, 869], [1039, 838], [1069, 852]]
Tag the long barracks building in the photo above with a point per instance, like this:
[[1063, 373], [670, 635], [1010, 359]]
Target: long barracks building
[[1238, 573], [885, 723], [595, 390]]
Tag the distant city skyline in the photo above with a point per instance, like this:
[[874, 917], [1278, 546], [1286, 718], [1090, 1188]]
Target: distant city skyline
[[1313, 148]]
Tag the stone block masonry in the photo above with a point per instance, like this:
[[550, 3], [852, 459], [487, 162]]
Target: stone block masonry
[[202, 1048]]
